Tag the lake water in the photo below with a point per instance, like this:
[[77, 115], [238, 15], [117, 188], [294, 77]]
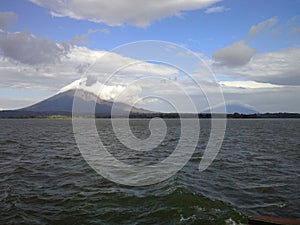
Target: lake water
[[45, 180]]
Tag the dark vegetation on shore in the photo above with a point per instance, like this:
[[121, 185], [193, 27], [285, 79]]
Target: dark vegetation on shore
[[16, 114]]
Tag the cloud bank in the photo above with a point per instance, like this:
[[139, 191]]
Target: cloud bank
[[27, 61], [277, 67]]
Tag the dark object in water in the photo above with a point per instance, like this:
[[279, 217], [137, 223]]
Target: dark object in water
[[267, 220]]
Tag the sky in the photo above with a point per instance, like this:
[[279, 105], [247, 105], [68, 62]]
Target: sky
[[248, 49]]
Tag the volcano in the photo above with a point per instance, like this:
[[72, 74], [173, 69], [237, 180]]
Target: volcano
[[62, 104]]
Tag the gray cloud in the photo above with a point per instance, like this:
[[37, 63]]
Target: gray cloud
[[90, 80], [6, 18], [24, 47], [115, 12], [82, 68], [237, 54]]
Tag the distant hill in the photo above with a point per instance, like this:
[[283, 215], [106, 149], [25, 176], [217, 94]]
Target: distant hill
[[233, 108]]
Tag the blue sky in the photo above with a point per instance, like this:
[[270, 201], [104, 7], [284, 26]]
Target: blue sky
[[239, 39], [195, 29]]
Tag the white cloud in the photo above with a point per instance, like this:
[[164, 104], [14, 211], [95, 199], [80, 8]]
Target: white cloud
[[116, 12], [115, 63], [6, 18], [255, 29], [247, 84], [217, 9], [237, 54]]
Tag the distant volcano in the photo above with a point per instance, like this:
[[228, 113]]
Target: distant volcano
[[62, 104], [232, 108]]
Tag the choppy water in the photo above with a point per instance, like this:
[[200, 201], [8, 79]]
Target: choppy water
[[45, 180]]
